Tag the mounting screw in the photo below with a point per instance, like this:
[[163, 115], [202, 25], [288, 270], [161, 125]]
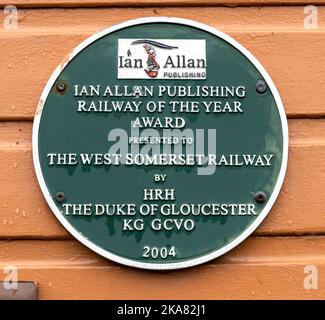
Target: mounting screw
[[60, 196], [61, 86], [260, 197], [261, 86]]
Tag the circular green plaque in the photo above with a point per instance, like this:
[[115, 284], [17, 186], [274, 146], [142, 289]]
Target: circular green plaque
[[160, 143]]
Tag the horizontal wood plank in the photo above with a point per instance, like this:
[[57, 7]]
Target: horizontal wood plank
[[260, 268], [292, 55], [299, 209], [139, 3]]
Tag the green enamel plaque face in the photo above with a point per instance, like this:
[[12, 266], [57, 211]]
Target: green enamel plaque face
[[160, 143]]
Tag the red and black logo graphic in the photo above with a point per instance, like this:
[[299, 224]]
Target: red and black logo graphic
[[152, 64]]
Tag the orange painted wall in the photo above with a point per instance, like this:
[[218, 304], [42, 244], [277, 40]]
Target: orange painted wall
[[271, 263]]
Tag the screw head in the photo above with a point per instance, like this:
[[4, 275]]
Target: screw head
[[60, 196], [61, 86], [261, 86], [260, 197]]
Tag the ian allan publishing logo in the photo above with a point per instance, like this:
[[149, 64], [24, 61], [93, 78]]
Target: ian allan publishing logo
[[161, 59]]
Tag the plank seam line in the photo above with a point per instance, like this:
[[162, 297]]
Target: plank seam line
[[179, 4], [29, 119], [306, 235], [76, 31], [86, 265]]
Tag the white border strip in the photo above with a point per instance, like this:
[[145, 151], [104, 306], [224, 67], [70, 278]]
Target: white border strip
[[190, 262]]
